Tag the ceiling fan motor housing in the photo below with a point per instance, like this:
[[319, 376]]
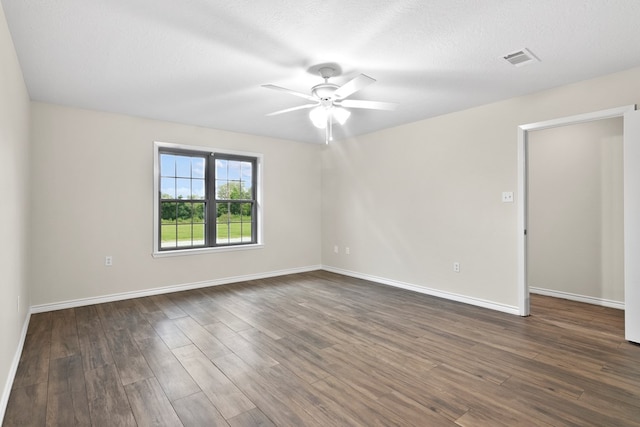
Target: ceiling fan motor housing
[[324, 91]]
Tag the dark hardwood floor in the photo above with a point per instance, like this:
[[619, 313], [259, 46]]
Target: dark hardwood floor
[[319, 349]]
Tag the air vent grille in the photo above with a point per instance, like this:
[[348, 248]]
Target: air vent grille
[[521, 57]]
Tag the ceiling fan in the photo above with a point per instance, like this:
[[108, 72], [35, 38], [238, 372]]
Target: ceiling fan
[[329, 100]]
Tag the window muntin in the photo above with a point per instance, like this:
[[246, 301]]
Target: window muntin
[[205, 199]]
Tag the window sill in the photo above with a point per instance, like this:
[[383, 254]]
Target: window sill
[[199, 251]]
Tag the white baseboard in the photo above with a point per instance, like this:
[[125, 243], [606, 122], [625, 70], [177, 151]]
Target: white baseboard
[[40, 308], [13, 368], [575, 297], [428, 291]]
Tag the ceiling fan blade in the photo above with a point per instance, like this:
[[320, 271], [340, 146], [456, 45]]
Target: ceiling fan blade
[[299, 107], [353, 85], [372, 105], [292, 92]]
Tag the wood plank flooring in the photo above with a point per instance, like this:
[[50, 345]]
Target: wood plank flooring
[[320, 349]]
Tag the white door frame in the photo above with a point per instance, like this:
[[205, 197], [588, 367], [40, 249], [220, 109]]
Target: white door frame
[[523, 286], [632, 226]]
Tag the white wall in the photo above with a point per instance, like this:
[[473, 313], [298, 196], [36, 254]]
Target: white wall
[[575, 217], [14, 212], [411, 200], [92, 178]]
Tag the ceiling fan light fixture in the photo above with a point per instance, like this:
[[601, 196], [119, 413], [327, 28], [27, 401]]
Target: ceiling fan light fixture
[[318, 117], [341, 114]]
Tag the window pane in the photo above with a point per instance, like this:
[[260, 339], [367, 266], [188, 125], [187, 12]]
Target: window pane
[[183, 212], [221, 169], [198, 212], [246, 232], [246, 174], [246, 216], [235, 190], [222, 211], [222, 235], [233, 170], [183, 188], [235, 211], [183, 167], [168, 236], [197, 188], [184, 234], [168, 212], [246, 211], [168, 188], [167, 165], [247, 190], [197, 167], [222, 189], [198, 234], [235, 232]]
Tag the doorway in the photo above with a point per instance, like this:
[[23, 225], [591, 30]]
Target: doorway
[[575, 245], [631, 209]]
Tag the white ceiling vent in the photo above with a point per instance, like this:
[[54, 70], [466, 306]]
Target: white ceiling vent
[[521, 57]]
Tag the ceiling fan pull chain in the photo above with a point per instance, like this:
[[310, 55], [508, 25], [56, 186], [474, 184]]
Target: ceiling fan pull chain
[[327, 130]]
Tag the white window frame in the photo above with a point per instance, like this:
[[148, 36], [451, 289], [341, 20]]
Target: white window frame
[[157, 253]]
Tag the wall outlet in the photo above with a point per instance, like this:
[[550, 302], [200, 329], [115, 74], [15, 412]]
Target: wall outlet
[[108, 261], [347, 250], [456, 267], [335, 249], [507, 197]]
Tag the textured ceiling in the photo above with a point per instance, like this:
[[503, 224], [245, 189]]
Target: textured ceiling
[[202, 62]]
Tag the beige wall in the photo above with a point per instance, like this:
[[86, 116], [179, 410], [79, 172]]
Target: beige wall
[[14, 213], [411, 200], [575, 218], [93, 196]]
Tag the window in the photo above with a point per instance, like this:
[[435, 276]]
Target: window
[[205, 199]]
